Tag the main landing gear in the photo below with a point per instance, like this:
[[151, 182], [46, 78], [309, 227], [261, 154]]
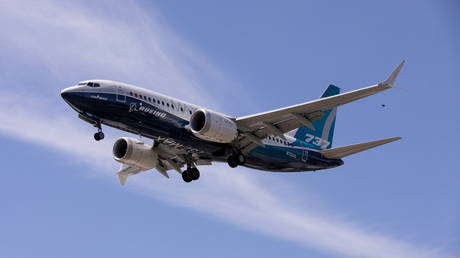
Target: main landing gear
[[99, 135], [236, 159], [191, 173]]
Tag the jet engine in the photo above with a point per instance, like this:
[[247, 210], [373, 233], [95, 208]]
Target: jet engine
[[136, 153], [212, 126]]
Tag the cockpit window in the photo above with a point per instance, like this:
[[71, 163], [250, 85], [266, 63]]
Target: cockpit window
[[90, 84]]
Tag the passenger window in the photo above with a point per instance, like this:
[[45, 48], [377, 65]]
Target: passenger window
[[181, 109], [135, 95], [150, 99], [158, 101], [163, 103], [167, 104], [145, 97], [130, 93], [190, 111], [172, 106]]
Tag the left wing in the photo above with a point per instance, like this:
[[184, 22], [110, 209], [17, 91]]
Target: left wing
[[279, 121]]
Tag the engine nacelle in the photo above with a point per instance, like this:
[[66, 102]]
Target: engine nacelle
[[211, 126], [136, 153]]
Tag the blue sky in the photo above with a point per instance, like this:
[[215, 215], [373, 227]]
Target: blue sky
[[60, 196]]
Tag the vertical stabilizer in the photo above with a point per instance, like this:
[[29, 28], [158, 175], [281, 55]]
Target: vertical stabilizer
[[321, 136]]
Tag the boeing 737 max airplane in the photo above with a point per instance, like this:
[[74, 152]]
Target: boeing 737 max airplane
[[291, 139]]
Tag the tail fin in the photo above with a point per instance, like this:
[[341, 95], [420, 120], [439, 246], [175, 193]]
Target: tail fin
[[321, 136]]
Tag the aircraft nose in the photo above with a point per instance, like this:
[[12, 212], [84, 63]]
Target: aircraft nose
[[67, 93], [70, 94]]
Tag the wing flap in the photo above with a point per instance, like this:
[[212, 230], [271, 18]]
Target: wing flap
[[126, 171], [341, 152]]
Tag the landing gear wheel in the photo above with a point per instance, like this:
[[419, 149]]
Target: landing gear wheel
[[194, 173], [186, 176], [99, 136], [232, 161], [240, 158]]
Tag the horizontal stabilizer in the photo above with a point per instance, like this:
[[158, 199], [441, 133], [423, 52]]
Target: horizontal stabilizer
[[338, 153]]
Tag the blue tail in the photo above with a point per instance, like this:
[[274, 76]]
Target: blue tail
[[321, 137]]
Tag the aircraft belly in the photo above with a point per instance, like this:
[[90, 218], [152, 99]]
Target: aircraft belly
[[287, 159], [276, 158]]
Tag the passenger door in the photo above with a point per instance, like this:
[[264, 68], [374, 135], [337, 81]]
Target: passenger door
[[121, 97]]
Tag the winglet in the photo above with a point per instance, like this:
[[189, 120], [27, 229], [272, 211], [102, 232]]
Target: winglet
[[392, 78]]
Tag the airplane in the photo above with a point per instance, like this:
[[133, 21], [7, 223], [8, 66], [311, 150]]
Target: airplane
[[183, 135]]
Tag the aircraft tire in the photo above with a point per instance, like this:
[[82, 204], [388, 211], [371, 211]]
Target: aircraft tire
[[98, 136], [194, 173], [186, 176], [240, 158], [232, 162]]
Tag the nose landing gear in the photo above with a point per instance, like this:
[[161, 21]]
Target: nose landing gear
[[99, 135]]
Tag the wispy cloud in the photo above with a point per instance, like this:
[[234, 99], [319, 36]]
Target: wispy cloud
[[241, 198], [138, 47], [76, 42]]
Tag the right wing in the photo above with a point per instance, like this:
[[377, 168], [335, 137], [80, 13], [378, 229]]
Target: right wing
[[340, 152], [280, 121]]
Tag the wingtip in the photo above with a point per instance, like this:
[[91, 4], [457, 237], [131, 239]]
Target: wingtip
[[392, 78]]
